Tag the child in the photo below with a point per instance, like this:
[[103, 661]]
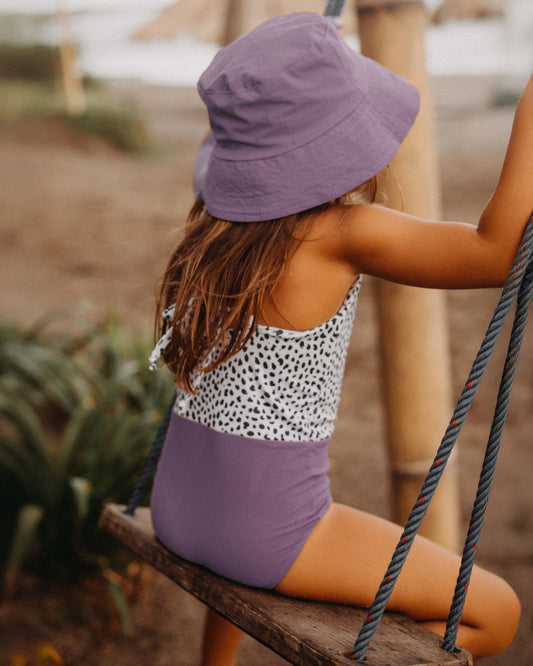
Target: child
[[261, 294]]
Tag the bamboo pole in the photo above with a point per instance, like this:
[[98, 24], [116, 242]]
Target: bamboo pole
[[72, 81], [414, 350], [235, 21]]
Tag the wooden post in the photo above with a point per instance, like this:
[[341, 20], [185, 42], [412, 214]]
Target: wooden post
[[413, 328], [72, 82], [235, 21]]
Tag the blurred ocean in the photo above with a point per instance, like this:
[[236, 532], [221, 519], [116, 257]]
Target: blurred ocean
[[102, 29]]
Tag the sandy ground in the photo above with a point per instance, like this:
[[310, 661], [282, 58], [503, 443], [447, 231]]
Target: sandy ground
[[82, 220]]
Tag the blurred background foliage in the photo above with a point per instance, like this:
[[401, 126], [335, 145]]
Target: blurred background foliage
[[78, 405], [78, 410], [33, 62], [30, 85]]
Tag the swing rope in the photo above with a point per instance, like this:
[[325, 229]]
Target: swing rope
[[491, 455], [519, 286], [150, 463]]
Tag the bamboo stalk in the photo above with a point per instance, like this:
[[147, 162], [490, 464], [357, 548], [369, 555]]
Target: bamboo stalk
[[414, 351], [70, 74], [235, 21]]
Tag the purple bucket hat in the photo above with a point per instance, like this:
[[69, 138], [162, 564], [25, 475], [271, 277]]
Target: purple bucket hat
[[297, 118]]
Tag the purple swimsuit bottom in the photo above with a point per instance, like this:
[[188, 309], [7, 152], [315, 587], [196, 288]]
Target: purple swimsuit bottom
[[240, 506]]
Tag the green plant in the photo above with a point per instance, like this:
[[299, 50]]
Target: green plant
[[115, 121], [120, 125], [501, 98], [19, 98], [37, 62], [78, 411]]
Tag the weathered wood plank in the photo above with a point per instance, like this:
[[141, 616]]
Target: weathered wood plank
[[307, 633]]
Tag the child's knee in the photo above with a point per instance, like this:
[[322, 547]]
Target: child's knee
[[512, 610], [504, 619]]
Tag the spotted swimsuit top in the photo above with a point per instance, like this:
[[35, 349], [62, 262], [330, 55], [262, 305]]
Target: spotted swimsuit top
[[282, 385]]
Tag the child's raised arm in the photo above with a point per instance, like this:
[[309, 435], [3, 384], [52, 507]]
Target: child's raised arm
[[403, 248]]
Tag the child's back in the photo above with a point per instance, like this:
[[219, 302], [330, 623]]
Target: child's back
[[243, 477], [314, 281]]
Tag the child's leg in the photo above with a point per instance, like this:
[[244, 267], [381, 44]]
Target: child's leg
[[346, 556], [221, 640]]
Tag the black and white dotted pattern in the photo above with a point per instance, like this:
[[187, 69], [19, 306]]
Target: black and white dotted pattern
[[163, 341], [283, 384]]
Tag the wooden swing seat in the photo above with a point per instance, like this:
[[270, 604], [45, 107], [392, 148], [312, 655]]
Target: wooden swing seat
[[302, 632]]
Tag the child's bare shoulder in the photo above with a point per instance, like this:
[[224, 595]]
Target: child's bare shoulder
[[359, 227]]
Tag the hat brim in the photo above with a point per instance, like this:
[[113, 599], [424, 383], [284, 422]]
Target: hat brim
[[349, 153]]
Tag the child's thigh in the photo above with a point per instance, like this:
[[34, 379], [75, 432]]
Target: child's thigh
[[346, 556]]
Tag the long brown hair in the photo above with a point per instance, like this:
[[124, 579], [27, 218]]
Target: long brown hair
[[220, 275]]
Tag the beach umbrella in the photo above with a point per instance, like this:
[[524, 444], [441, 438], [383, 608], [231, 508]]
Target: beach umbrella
[[207, 21], [474, 9]]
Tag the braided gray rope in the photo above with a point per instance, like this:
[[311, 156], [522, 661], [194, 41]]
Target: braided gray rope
[[334, 8], [150, 463], [489, 463], [518, 282]]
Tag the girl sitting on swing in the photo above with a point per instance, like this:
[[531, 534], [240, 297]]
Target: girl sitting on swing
[[259, 299]]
